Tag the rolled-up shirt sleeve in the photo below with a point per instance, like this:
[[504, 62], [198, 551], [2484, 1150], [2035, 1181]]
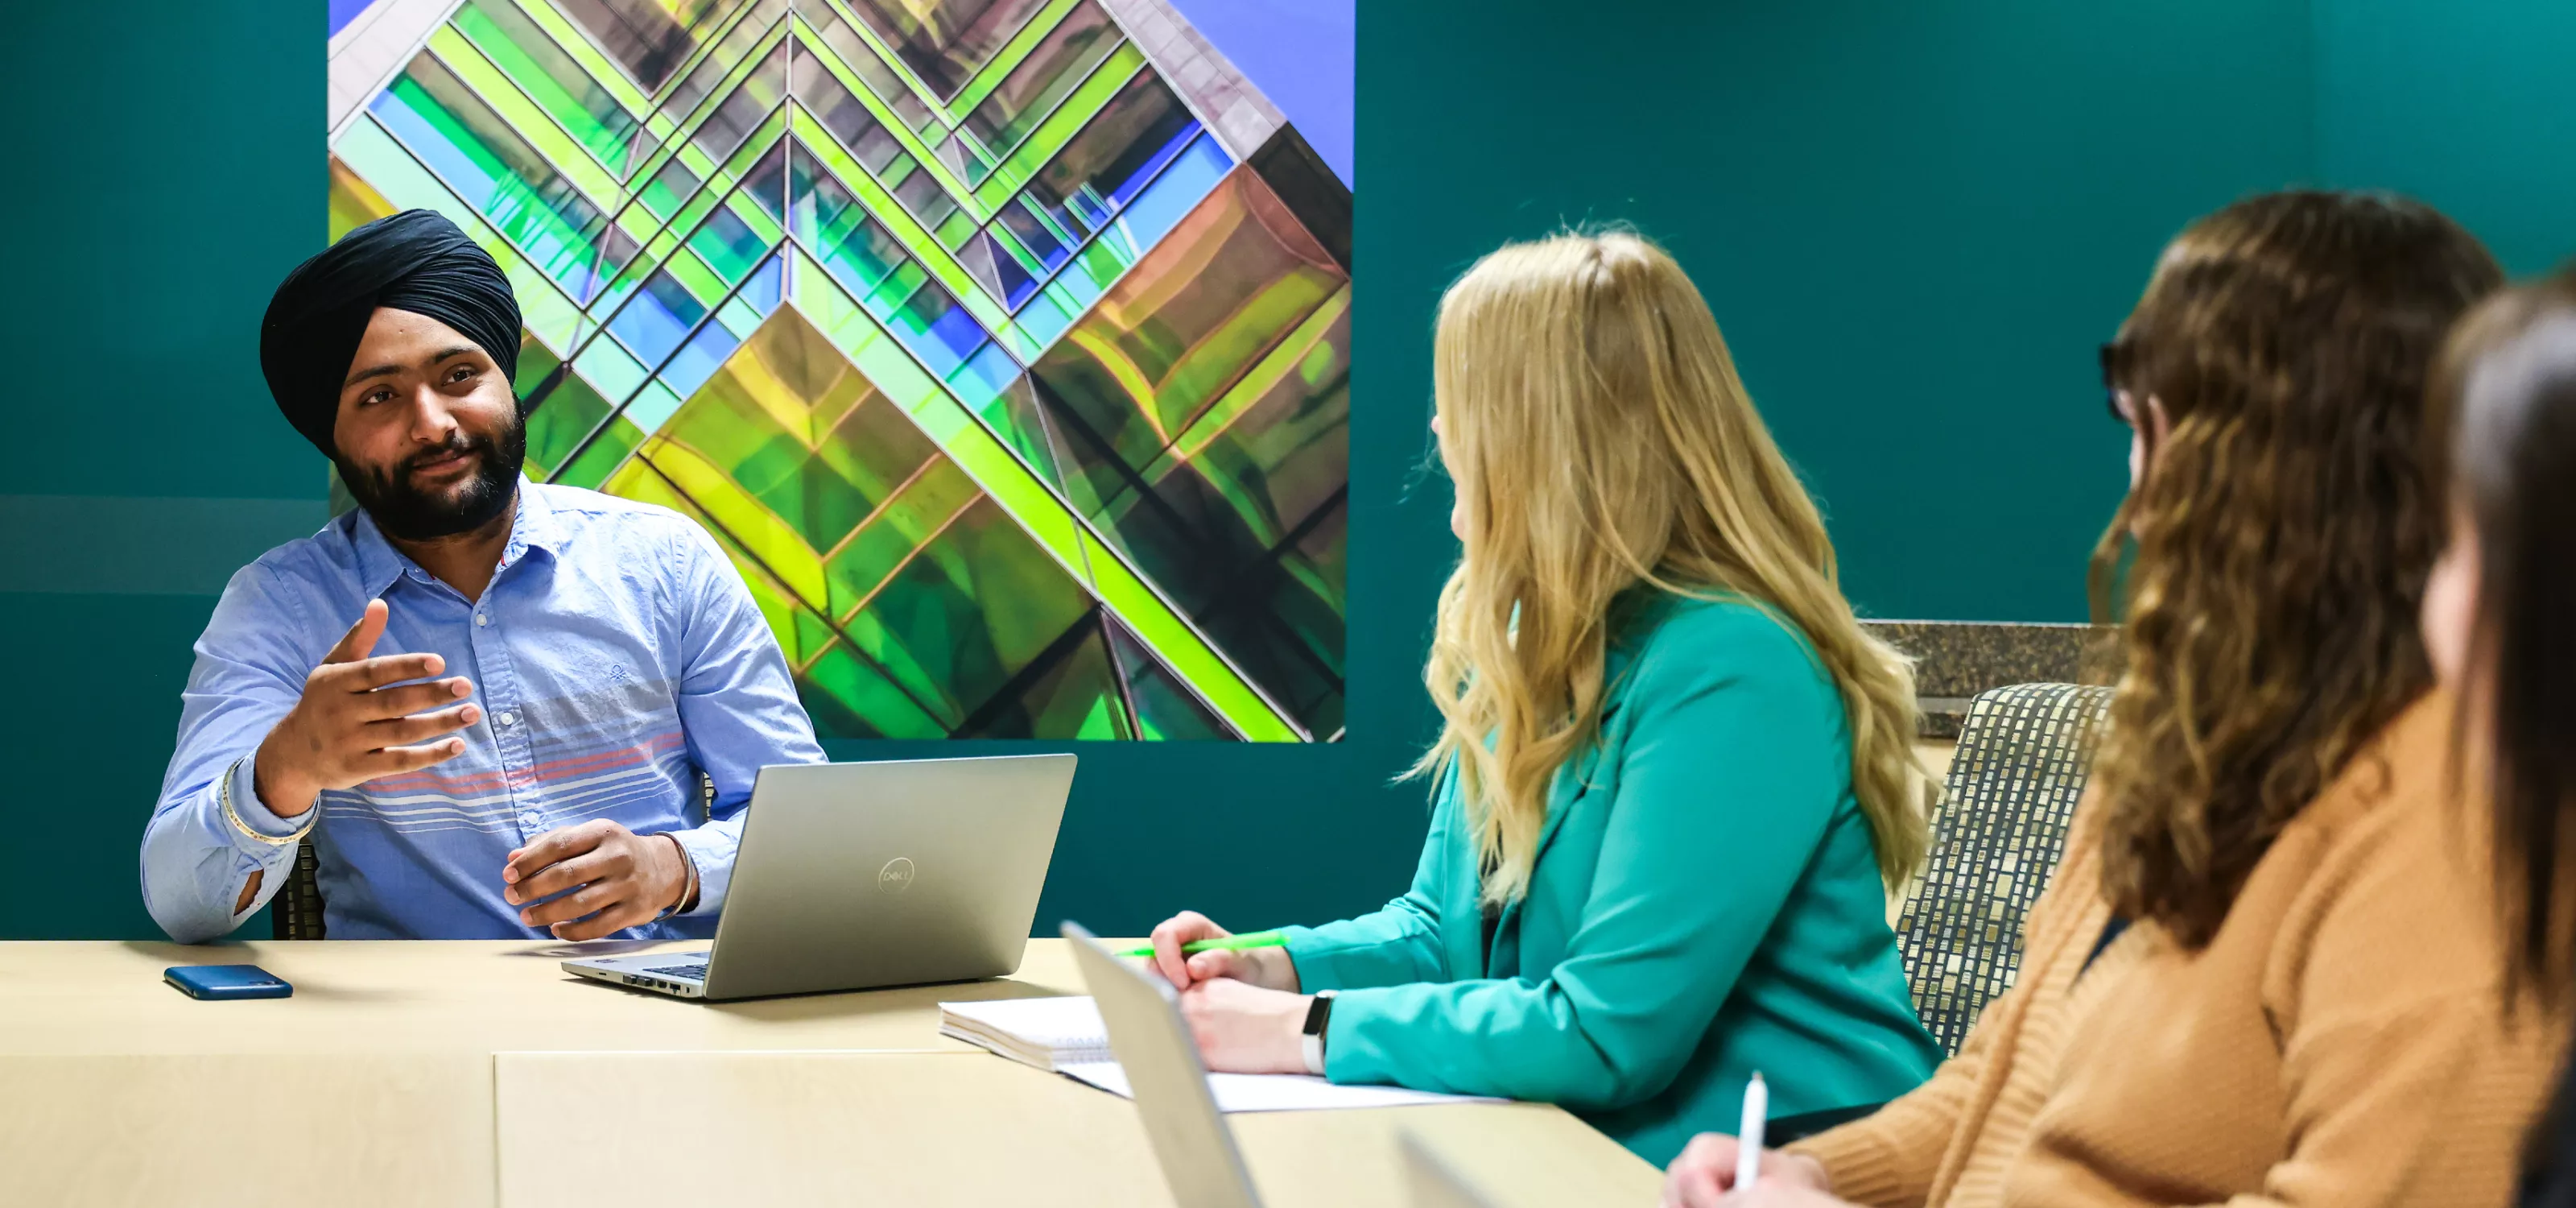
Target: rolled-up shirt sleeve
[[210, 831], [737, 703]]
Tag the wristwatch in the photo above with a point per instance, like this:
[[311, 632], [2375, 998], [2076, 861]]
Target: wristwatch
[[1318, 1013]]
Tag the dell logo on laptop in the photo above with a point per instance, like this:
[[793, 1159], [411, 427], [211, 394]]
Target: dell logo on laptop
[[896, 876]]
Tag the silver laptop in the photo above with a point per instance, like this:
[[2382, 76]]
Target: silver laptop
[[1191, 1141], [853, 876]]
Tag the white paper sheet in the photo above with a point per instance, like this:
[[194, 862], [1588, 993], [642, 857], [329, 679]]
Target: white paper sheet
[[1274, 1092]]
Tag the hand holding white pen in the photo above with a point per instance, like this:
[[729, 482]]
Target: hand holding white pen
[[1748, 1135], [1717, 1168]]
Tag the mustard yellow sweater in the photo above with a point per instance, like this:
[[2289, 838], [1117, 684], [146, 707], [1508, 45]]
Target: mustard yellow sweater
[[2341, 1041]]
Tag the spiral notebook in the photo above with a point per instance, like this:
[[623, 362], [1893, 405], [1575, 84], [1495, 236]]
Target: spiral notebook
[[1065, 1036], [1049, 1033]]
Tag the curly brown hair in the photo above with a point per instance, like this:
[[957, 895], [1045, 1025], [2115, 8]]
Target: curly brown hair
[[2284, 527]]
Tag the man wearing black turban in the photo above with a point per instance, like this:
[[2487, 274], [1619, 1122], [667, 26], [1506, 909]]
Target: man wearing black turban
[[586, 777], [418, 264]]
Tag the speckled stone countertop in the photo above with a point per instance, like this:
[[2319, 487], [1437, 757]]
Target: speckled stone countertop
[[1956, 660]]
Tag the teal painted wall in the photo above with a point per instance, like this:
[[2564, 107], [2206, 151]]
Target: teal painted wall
[[1915, 223], [2470, 105]]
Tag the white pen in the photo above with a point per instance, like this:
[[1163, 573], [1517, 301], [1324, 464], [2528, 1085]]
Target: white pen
[[1748, 1136]]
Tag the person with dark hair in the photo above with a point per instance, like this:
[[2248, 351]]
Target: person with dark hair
[[2261, 974], [609, 660], [2496, 622]]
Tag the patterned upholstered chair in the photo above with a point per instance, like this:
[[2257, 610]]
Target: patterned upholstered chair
[[296, 911], [2024, 753]]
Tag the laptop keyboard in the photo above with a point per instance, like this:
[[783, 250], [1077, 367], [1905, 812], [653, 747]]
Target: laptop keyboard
[[696, 972]]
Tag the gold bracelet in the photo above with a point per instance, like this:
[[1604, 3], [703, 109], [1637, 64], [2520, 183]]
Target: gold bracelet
[[224, 793]]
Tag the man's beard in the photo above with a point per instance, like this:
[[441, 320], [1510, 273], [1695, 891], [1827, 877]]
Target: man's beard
[[408, 514]]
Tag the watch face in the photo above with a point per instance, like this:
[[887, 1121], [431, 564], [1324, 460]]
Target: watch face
[[1319, 1011]]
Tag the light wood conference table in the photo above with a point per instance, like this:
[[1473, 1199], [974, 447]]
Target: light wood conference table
[[479, 1073]]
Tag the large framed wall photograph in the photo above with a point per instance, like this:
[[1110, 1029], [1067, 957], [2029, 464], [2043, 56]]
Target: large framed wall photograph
[[1004, 344]]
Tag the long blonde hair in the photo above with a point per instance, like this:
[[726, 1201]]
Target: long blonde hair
[[1601, 441]]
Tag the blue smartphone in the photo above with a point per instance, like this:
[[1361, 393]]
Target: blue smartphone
[[226, 981]]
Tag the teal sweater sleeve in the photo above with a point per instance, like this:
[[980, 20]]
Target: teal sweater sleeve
[[1731, 771], [1401, 943]]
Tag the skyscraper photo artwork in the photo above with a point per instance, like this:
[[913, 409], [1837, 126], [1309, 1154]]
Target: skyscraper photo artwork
[[1003, 344]]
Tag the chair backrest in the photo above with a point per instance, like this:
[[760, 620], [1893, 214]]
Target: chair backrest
[[2024, 753], [296, 911]]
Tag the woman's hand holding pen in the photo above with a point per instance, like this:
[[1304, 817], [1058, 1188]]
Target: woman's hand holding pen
[[1243, 1005], [1268, 968]]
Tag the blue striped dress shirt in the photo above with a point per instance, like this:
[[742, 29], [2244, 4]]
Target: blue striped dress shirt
[[616, 656]]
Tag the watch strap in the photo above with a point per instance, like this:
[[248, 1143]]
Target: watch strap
[[1319, 1016]]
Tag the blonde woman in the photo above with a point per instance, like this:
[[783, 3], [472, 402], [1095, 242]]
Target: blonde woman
[[1675, 775]]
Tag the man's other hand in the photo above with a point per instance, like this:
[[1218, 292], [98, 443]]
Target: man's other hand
[[616, 879]]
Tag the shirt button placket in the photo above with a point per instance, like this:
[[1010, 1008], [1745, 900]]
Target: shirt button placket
[[509, 737]]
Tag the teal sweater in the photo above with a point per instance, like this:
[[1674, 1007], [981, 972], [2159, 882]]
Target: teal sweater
[[1705, 904]]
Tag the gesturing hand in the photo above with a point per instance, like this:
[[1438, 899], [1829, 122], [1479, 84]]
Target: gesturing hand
[[350, 726], [618, 879], [1268, 968]]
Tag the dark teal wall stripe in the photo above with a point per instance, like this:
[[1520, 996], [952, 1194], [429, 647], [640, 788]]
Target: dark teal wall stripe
[[140, 545]]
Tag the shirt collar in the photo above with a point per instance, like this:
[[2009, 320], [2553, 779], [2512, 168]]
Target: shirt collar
[[536, 527]]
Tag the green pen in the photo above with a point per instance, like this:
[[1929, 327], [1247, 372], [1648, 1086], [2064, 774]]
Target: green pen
[[1230, 943]]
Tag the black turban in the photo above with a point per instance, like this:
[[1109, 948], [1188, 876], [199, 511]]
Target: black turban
[[416, 261]]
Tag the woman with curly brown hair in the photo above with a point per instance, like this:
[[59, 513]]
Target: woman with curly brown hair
[[2266, 971]]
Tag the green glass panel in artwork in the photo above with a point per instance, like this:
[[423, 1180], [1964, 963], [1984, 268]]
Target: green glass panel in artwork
[[601, 457], [945, 42], [805, 637], [726, 426], [670, 188], [1050, 72], [727, 243], [354, 202], [488, 165], [1187, 322], [1073, 695], [1281, 455], [847, 698], [876, 448], [969, 611], [875, 73], [818, 502], [708, 76], [558, 84], [562, 417], [1165, 707], [1013, 413], [859, 567], [648, 39]]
